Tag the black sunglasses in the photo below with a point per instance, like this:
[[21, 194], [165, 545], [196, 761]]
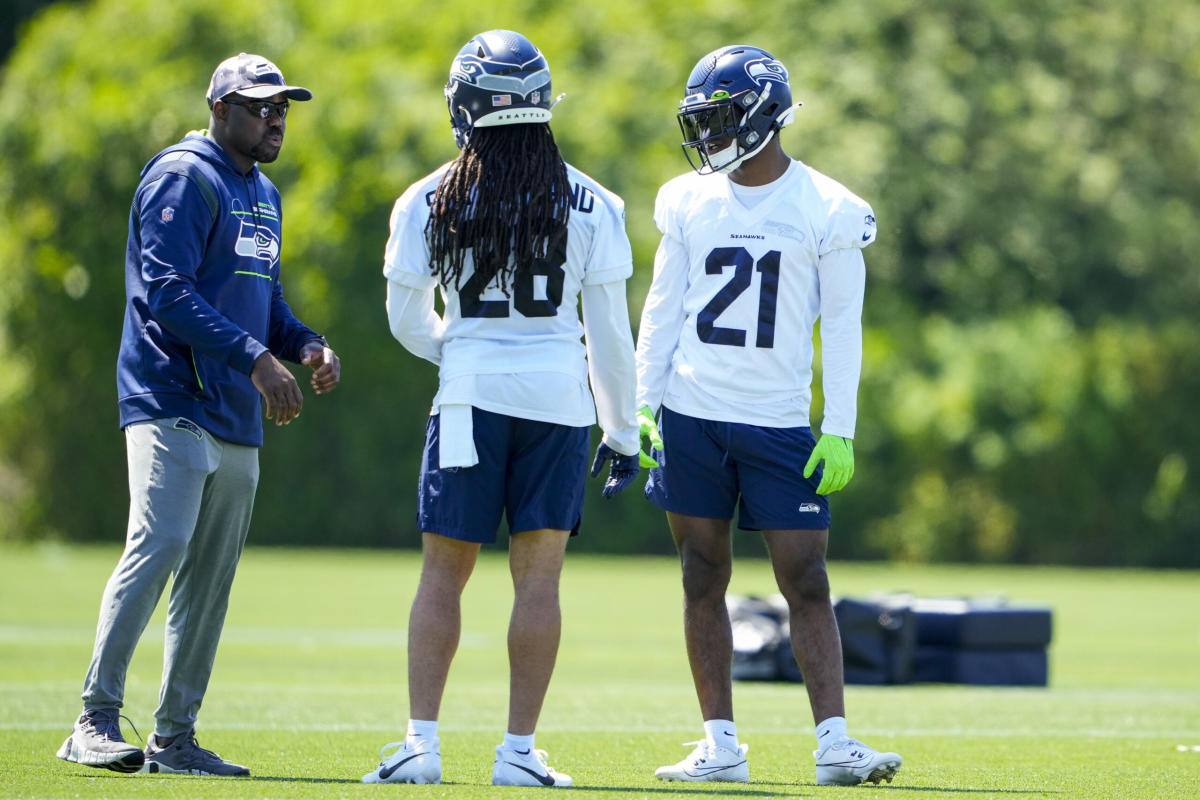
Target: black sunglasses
[[261, 108]]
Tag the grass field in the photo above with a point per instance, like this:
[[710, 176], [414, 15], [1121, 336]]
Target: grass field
[[309, 684]]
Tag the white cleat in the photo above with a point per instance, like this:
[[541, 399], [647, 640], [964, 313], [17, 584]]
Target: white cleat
[[525, 768], [420, 762], [849, 762], [708, 762]]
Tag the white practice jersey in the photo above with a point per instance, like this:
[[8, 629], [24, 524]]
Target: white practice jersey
[[726, 331], [522, 355]]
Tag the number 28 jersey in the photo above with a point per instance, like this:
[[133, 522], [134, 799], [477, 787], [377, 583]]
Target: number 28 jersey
[[726, 331], [520, 354]]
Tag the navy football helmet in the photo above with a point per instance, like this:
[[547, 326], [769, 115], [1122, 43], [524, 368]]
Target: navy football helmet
[[497, 78], [737, 99]]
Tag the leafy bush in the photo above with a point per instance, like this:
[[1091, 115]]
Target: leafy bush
[[1030, 361]]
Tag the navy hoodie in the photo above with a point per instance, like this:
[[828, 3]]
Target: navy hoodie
[[203, 297]]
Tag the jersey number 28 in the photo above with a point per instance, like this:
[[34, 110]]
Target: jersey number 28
[[743, 264], [551, 267]]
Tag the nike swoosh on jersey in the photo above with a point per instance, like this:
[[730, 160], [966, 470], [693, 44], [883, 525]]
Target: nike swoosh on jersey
[[544, 780], [386, 772]]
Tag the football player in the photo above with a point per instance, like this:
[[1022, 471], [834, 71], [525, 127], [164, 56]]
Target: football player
[[756, 246], [513, 237]]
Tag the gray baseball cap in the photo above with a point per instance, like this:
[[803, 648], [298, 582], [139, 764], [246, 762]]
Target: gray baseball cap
[[251, 76]]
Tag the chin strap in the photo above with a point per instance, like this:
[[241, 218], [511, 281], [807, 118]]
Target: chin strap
[[737, 162]]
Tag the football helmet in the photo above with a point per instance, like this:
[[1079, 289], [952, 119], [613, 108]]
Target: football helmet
[[497, 78], [737, 98]]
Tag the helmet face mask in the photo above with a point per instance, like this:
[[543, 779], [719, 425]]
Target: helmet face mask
[[737, 100], [497, 78]]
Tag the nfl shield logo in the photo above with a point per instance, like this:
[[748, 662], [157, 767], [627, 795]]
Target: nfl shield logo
[[168, 214]]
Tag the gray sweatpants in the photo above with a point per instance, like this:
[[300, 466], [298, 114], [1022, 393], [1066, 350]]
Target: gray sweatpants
[[191, 496]]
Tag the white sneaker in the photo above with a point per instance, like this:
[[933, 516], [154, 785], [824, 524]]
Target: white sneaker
[[96, 741], [849, 762], [525, 768], [708, 762], [420, 762]]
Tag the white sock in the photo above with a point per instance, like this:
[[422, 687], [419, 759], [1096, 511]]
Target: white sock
[[421, 729], [829, 731], [721, 732], [522, 744]]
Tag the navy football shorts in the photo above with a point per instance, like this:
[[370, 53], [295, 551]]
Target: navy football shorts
[[532, 471], [714, 467]]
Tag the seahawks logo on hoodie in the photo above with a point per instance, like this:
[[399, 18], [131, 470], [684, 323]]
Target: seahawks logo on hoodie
[[254, 240]]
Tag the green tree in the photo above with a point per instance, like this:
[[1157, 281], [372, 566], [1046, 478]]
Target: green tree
[[1030, 363]]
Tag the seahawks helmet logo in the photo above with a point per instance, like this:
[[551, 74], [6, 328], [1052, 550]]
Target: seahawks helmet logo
[[473, 71], [766, 68], [465, 70]]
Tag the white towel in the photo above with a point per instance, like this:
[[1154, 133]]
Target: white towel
[[456, 447]]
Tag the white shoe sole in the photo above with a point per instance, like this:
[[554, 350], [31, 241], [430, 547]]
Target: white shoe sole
[[734, 773], [416, 779], [844, 776], [127, 761], [509, 778], [702, 778], [555, 785], [155, 768]]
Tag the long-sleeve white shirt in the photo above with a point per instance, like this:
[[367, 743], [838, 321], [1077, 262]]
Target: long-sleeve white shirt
[[528, 361], [547, 396], [726, 330]]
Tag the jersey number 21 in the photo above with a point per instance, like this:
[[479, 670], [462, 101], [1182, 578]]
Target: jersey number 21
[[743, 264]]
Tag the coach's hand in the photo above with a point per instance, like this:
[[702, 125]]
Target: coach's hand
[[326, 366], [622, 472], [838, 454], [281, 394], [649, 429]]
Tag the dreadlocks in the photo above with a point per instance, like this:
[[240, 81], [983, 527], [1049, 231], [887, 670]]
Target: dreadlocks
[[505, 199]]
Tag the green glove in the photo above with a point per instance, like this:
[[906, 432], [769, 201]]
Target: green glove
[[838, 455], [650, 430]]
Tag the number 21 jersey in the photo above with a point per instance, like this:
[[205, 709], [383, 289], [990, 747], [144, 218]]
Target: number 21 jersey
[[726, 330]]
